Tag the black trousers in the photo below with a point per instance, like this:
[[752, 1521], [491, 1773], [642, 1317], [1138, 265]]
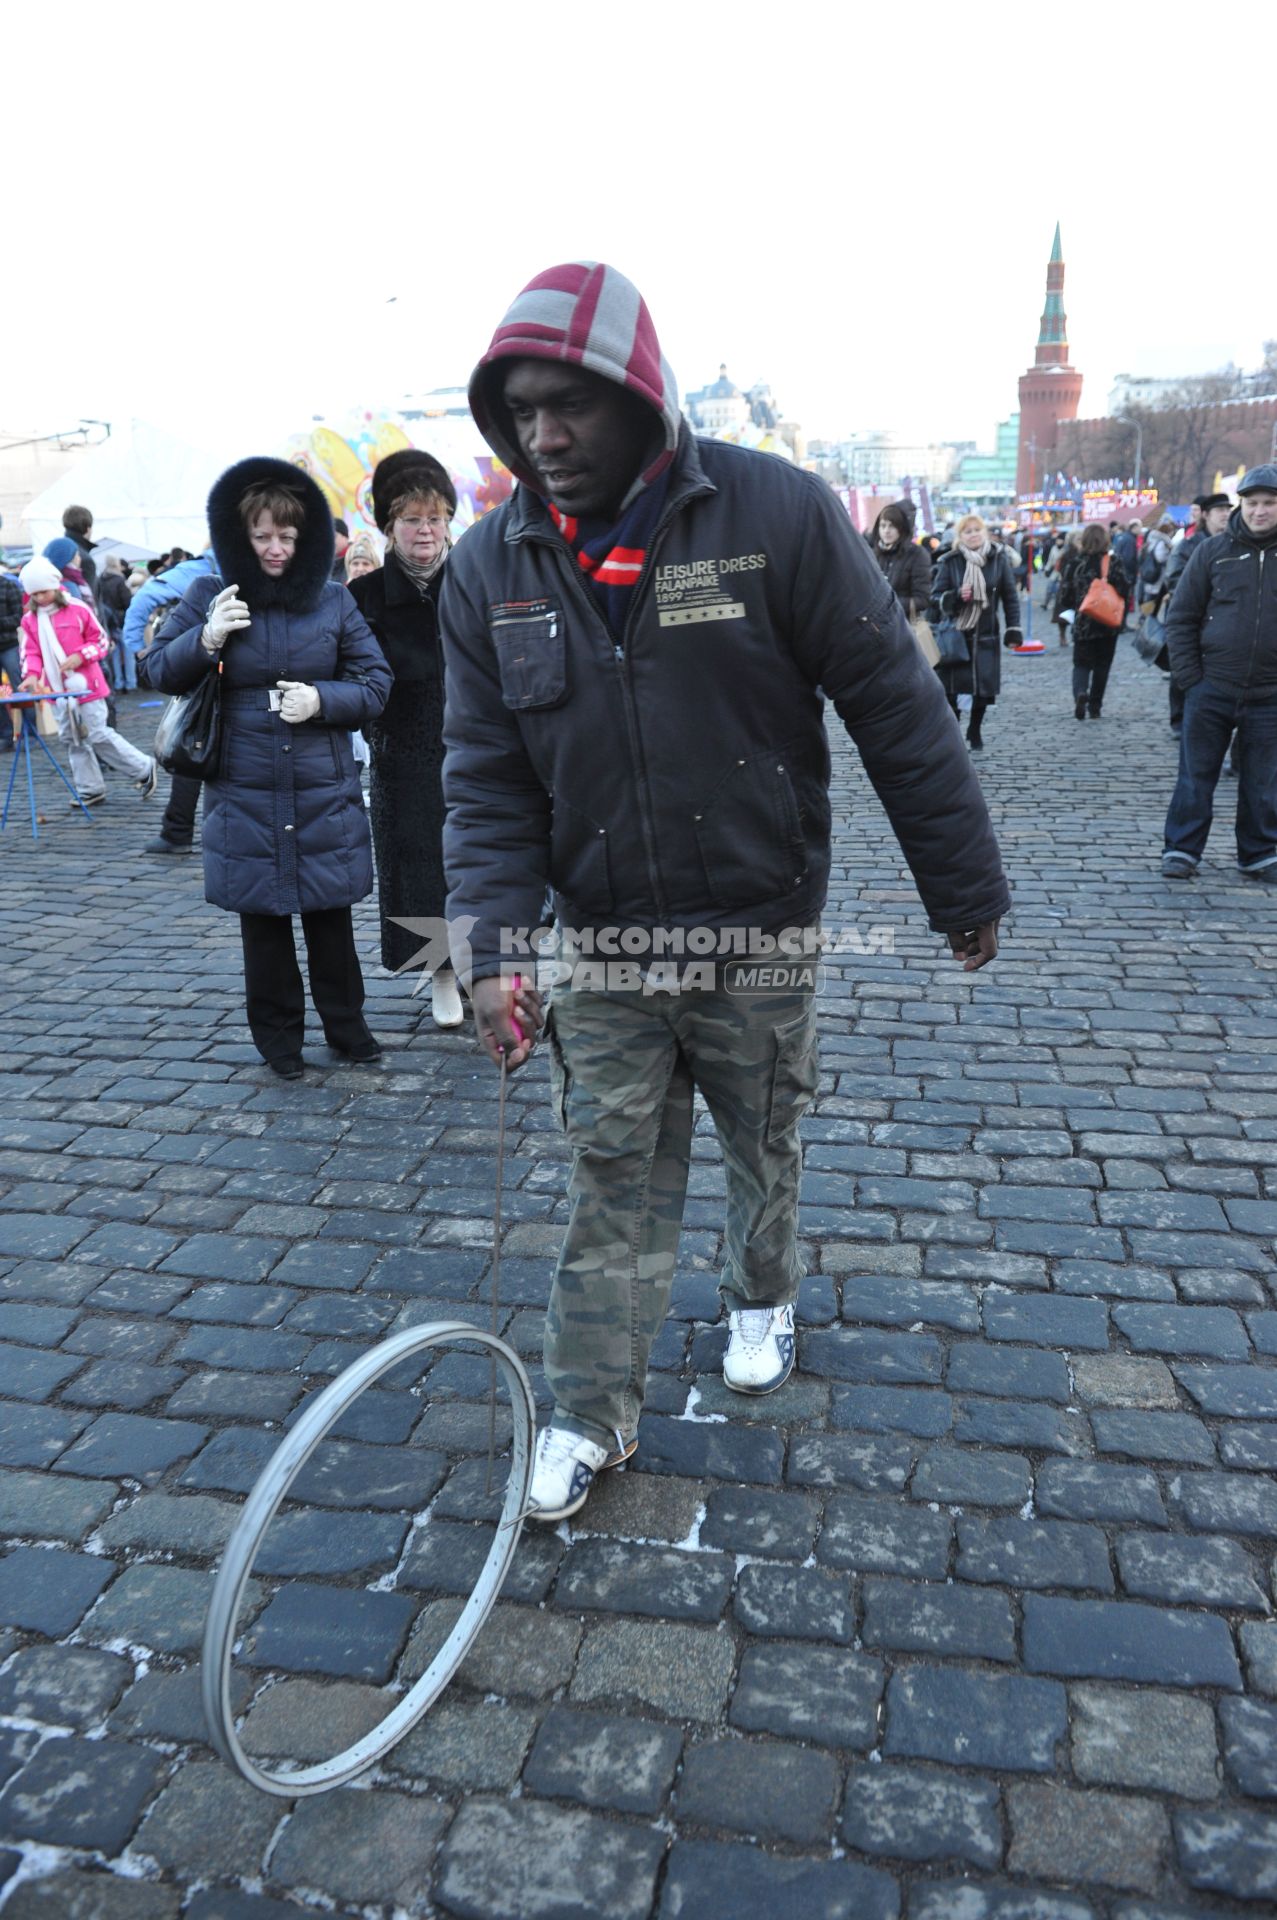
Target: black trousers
[[178, 824], [1089, 682], [273, 983]]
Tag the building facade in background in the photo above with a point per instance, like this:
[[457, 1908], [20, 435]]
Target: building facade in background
[[1051, 390]]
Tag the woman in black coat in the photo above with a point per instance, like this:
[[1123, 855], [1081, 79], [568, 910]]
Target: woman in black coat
[[1094, 643], [906, 566], [970, 583], [413, 501], [285, 829]]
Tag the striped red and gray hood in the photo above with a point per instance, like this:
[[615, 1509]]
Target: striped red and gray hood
[[584, 314]]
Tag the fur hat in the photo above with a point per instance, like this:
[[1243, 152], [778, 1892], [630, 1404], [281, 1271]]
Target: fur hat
[[400, 473], [299, 589], [40, 575]]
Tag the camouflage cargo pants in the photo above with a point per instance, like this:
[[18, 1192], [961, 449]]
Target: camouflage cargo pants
[[624, 1067]]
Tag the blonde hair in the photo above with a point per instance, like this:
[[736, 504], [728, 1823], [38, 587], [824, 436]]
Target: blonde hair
[[970, 520]]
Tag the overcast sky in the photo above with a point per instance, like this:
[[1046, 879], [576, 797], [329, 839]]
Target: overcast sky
[[259, 215]]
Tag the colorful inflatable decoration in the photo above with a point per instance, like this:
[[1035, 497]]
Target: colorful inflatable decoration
[[340, 458]]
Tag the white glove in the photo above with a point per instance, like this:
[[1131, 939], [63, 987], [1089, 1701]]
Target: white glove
[[226, 616], [300, 702]]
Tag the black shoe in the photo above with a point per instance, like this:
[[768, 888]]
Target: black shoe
[[1096, 713], [362, 1052], [1079, 707], [975, 743], [289, 1066], [168, 846]]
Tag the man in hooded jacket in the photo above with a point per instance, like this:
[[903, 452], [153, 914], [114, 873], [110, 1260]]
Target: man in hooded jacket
[[638, 646]]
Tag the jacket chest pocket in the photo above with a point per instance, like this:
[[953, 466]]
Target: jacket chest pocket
[[531, 654]]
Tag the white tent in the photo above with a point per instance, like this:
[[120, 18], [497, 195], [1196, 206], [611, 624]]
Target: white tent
[[142, 486]]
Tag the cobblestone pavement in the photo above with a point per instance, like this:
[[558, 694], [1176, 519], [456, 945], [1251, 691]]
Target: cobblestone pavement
[[971, 1621]]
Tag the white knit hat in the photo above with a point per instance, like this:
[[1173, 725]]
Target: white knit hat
[[39, 576]]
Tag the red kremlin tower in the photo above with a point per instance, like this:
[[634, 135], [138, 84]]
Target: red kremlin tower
[[1051, 389]]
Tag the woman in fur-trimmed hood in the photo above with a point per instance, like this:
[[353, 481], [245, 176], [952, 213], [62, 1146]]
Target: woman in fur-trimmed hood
[[285, 830]]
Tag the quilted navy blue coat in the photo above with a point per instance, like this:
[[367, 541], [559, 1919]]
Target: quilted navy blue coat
[[285, 829]]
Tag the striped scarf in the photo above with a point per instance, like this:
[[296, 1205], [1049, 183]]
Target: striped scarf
[[612, 555]]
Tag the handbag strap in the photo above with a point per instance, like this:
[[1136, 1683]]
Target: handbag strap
[[1104, 569]]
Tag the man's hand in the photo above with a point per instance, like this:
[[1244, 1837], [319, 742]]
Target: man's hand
[[494, 1000], [300, 702], [976, 948]]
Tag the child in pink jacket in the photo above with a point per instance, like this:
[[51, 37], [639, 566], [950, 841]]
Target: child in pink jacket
[[62, 645]]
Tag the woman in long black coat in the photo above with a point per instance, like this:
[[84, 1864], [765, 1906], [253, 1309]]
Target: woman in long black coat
[[970, 583], [1094, 643], [906, 565], [285, 830], [413, 501]]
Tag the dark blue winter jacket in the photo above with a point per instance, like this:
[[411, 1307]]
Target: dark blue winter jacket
[[285, 829], [1222, 623]]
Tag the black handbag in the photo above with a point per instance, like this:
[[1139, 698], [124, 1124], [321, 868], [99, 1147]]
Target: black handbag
[[951, 644], [189, 737]]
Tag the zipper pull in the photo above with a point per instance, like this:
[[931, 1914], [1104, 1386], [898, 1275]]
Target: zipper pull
[[618, 650]]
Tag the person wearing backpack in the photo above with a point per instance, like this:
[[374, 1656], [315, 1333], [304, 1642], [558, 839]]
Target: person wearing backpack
[[1094, 630]]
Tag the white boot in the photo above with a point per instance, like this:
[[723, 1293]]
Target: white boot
[[445, 1000]]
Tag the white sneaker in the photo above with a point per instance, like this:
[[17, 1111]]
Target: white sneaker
[[760, 1349], [445, 1000], [563, 1471]]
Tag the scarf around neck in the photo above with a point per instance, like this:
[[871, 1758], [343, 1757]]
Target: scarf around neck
[[973, 609], [612, 554], [422, 576]]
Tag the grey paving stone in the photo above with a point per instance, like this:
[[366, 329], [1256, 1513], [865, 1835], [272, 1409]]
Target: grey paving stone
[[208, 1823], [132, 1446], [226, 1256], [1202, 1572], [1105, 1839], [1021, 1423], [1126, 1640], [801, 1603], [919, 1410], [685, 1672], [777, 1526], [1162, 1742], [1227, 1503], [446, 1556], [310, 1720], [160, 1607], [519, 1860], [602, 1760], [888, 1300], [50, 1590], [1238, 1393], [34, 1507], [309, 1628], [716, 1880], [960, 1900], [826, 1695], [346, 1473], [919, 1813], [976, 1366], [776, 1792], [30, 1373], [1259, 1652], [962, 1476], [362, 1848], [229, 1903], [868, 1357], [470, 1748], [32, 1436], [310, 1540], [1048, 1320], [1003, 1721], [709, 1451], [167, 1706], [1118, 1380], [939, 1620], [81, 1793], [37, 1236], [173, 1523], [1145, 1435], [1214, 1331], [1094, 1490], [884, 1536], [71, 1894], [1250, 1746], [646, 1506], [1002, 1551], [63, 1686], [1231, 1852], [624, 1577], [520, 1653], [875, 1463]]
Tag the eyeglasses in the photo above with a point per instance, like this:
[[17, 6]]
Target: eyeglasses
[[435, 521]]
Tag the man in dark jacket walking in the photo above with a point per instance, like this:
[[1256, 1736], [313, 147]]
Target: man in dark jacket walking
[[636, 648], [1222, 635], [1213, 510]]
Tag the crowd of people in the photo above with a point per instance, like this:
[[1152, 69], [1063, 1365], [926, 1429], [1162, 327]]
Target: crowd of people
[[638, 650]]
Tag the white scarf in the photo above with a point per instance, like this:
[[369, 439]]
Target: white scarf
[[52, 659], [974, 578]]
